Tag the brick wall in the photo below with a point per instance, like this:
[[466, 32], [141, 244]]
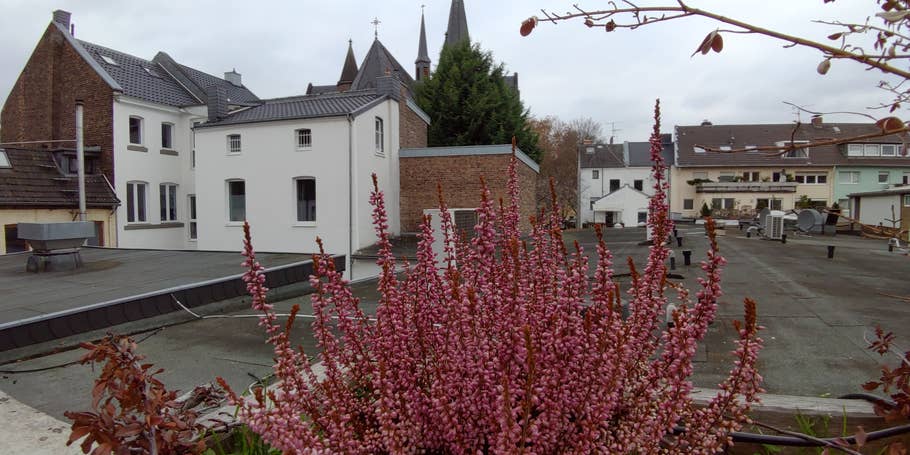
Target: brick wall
[[42, 103], [413, 128], [460, 179]]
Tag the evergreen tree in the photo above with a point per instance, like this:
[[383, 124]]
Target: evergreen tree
[[470, 103]]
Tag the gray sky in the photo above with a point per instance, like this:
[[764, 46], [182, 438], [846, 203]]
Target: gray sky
[[565, 70]]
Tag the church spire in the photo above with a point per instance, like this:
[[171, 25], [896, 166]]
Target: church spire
[[458, 23], [422, 63], [349, 71]]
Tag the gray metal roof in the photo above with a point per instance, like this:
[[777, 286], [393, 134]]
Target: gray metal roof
[[236, 95], [640, 152], [377, 63], [304, 106], [321, 89], [422, 55], [889, 192], [468, 150]]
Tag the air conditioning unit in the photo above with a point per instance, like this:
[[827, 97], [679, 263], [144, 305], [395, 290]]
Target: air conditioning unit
[[774, 225], [463, 220]]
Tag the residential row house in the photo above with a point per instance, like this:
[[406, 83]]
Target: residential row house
[[746, 179], [615, 180]]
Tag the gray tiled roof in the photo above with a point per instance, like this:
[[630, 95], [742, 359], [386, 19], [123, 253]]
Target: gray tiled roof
[[305, 106], [605, 155], [236, 95], [640, 152], [321, 89], [739, 136], [148, 80], [34, 180], [130, 72], [376, 63]]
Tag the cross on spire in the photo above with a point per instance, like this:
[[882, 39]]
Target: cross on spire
[[376, 23]]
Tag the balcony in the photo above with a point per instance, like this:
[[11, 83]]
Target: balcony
[[746, 187]]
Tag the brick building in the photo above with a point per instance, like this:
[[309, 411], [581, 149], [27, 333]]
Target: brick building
[[458, 170]]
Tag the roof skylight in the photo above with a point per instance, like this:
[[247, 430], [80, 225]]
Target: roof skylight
[[4, 160], [109, 60]]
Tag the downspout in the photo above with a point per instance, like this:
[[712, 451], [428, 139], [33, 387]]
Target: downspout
[[80, 159], [350, 118]]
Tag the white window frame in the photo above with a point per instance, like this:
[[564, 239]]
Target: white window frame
[[133, 201], [906, 200], [797, 151], [810, 178], [886, 174], [230, 144], [171, 127], [191, 214], [698, 149], [227, 189], [850, 180], [380, 135], [872, 150], [296, 193], [751, 176], [854, 149], [303, 133], [892, 147], [4, 160], [169, 191], [141, 130]]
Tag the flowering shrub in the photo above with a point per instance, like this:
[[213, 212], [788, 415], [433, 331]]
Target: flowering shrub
[[509, 348]]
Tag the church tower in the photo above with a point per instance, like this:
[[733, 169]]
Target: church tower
[[348, 71], [422, 64], [458, 23]]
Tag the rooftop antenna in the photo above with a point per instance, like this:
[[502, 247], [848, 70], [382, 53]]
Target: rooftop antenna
[[376, 23], [613, 131]]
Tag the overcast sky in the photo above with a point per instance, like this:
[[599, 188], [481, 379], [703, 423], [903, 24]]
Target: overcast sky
[[565, 70]]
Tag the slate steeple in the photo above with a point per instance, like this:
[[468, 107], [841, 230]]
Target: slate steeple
[[458, 23], [422, 63], [349, 71]]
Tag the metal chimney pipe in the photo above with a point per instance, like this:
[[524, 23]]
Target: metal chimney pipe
[[80, 158]]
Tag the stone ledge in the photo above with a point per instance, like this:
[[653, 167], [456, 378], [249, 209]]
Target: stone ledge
[[139, 227], [137, 148], [170, 152]]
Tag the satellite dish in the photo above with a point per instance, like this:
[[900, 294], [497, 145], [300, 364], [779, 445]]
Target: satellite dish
[[810, 220]]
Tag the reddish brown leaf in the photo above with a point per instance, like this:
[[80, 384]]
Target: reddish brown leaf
[[589, 22], [610, 26], [871, 385], [824, 66], [835, 36], [860, 436], [890, 124], [717, 43]]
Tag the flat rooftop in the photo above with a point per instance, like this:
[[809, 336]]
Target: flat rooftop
[[110, 274]]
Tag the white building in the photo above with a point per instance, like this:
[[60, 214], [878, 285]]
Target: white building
[[889, 208], [613, 179], [299, 168]]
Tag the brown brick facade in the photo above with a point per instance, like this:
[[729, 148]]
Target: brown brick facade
[[413, 128], [460, 179], [42, 103]]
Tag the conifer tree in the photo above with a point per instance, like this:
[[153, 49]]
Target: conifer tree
[[470, 103]]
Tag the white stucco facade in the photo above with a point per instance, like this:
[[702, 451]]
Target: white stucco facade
[[151, 164], [626, 206], [593, 189], [341, 158]]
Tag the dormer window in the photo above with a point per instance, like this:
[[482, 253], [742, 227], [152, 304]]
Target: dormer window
[[109, 60], [796, 152], [4, 160]]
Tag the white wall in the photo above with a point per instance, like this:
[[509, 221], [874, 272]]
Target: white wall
[[876, 209], [154, 168], [597, 188], [625, 203], [385, 166]]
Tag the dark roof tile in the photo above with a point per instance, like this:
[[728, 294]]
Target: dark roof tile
[[34, 180], [299, 107]]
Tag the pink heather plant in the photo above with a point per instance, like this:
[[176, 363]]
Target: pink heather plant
[[511, 349]]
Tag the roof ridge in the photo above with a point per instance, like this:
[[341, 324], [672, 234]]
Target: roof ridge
[[116, 51], [292, 98]]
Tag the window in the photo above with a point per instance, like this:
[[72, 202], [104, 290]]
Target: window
[[871, 150], [884, 176], [638, 184], [13, 243], [855, 150], [304, 139], [306, 199], [848, 177], [812, 179], [193, 150], [774, 204], [725, 203], [726, 177], [167, 135], [907, 200], [642, 217], [167, 193], [233, 143], [688, 204], [751, 176], [795, 153], [700, 175], [4, 160], [191, 203], [135, 130], [109, 60], [889, 150], [236, 200], [380, 136], [589, 149], [614, 185], [136, 204], [70, 165], [595, 174], [905, 179]]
